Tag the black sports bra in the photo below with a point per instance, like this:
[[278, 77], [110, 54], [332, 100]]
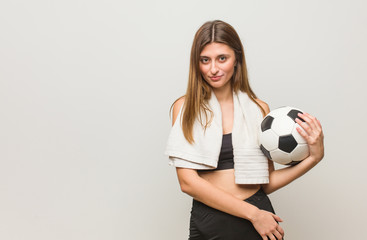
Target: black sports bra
[[225, 160]]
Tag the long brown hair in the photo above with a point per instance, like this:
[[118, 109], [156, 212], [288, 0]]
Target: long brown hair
[[198, 90]]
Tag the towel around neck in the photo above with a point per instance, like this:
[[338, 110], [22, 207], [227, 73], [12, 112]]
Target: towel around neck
[[250, 164]]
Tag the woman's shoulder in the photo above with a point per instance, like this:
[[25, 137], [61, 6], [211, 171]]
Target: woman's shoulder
[[264, 105], [176, 108]]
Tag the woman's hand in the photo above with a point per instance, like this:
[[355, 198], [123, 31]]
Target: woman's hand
[[312, 133], [266, 225]]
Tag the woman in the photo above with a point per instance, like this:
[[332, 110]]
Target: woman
[[225, 205]]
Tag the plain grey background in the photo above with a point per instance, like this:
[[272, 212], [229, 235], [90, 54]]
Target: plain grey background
[[85, 89]]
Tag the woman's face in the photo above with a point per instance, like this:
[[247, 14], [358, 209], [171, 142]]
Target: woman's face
[[217, 61]]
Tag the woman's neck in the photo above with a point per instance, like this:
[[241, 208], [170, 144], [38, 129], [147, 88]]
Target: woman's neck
[[224, 94]]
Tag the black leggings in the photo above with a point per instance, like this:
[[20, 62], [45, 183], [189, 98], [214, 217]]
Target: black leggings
[[207, 223]]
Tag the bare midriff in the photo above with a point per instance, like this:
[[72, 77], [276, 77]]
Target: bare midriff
[[224, 180]]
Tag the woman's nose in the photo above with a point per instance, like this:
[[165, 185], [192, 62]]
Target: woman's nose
[[213, 68]]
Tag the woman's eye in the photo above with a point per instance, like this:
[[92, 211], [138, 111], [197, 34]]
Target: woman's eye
[[204, 60], [222, 58]]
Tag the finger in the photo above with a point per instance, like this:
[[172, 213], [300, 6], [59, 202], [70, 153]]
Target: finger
[[302, 132], [304, 123], [309, 120], [280, 230], [319, 124], [277, 218], [277, 235], [305, 127], [315, 121], [271, 236], [311, 133], [317, 131]]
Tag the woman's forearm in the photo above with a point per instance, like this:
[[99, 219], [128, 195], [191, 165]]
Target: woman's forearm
[[207, 193], [282, 177]]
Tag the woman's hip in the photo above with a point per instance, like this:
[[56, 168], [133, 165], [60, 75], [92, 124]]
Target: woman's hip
[[209, 223]]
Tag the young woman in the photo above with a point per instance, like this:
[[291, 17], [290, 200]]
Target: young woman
[[228, 202]]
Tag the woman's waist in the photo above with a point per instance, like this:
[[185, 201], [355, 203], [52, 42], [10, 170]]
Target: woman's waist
[[225, 180]]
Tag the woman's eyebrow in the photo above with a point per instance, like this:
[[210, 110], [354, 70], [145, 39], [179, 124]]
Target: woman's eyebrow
[[222, 54]]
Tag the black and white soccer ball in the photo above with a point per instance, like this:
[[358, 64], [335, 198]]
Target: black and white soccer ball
[[279, 139]]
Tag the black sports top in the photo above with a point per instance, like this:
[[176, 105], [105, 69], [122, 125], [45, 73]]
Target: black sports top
[[225, 160]]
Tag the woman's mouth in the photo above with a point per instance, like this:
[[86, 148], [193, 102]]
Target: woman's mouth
[[216, 78]]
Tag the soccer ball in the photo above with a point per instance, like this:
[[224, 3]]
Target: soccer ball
[[279, 139]]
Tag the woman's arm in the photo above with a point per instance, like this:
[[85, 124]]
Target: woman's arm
[[205, 192], [192, 184], [202, 190], [315, 139]]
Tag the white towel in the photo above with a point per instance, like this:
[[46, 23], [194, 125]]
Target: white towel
[[250, 164]]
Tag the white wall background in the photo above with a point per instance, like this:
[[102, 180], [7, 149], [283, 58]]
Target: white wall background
[[85, 89]]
